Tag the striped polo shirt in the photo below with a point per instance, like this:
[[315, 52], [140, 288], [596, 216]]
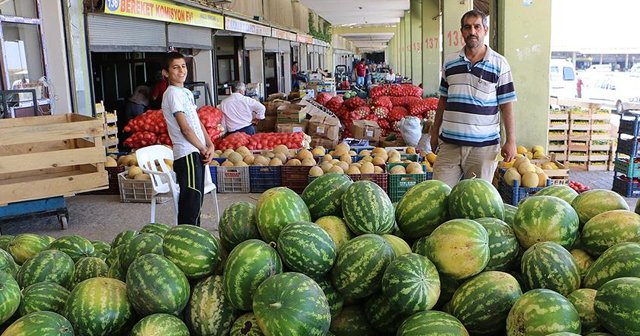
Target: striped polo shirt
[[474, 92]]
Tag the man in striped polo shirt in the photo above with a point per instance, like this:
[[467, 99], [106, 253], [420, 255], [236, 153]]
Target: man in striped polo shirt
[[476, 89]]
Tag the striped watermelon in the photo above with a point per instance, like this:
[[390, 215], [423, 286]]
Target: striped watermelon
[[545, 218], [123, 237], [411, 283], [366, 208], [114, 255], [599, 334], [398, 244], [276, 208], [156, 228], [609, 228], [101, 247], [360, 266], [7, 264], [336, 228], [306, 248], [246, 325], [105, 301], [483, 303], [596, 201], [335, 300], [475, 198], [560, 191], [583, 260], [432, 322], [423, 208], [382, 316], [248, 265], [116, 271], [4, 242], [503, 244], [87, 268], [617, 304], [156, 285], [9, 296], [583, 299], [448, 287], [291, 304], [74, 246], [420, 246], [556, 314], [160, 324], [25, 246], [549, 265], [209, 312], [509, 213], [323, 195], [193, 249], [621, 260], [42, 323], [43, 296], [350, 322], [237, 224], [564, 333], [459, 248], [49, 265], [141, 244]]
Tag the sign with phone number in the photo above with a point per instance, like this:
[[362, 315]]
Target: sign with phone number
[[164, 11]]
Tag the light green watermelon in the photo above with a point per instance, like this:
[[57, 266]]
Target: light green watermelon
[[209, 312], [4, 242], [114, 255], [503, 244], [432, 323], [43, 296], [609, 228], [74, 246], [549, 265], [336, 228], [596, 201], [306, 248], [335, 300], [9, 296], [237, 224], [351, 321], [382, 315], [160, 324], [87, 268], [25, 246], [360, 266], [475, 198], [105, 300], [398, 244], [555, 314], [423, 208], [366, 208], [123, 237], [617, 304], [278, 207], [42, 323], [246, 325], [156, 285], [49, 265], [291, 304], [509, 213], [411, 283], [156, 228], [459, 248], [139, 245], [483, 303], [620, 260], [248, 265], [545, 218], [583, 299], [101, 247], [323, 195], [193, 249], [563, 192], [7, 264], [583, 260]]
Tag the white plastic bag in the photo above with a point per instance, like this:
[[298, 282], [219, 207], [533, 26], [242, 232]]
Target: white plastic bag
[[411, 130], [424, 145]]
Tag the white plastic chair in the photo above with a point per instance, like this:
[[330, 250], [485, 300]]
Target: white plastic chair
[[151, 161]]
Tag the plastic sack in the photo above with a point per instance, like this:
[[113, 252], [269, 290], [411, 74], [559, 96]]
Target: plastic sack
[[411, 130]]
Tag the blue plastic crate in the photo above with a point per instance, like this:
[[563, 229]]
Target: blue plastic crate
[[514, 195], [630, 126], [626, 188], [214, 174], [262, 178], [628, 146]]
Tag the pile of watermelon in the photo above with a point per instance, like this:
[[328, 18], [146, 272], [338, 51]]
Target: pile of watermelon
[[150, 127], [387, 105], [341, 259]]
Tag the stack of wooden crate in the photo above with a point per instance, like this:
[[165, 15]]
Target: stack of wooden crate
[[558, 134], [110, 119]]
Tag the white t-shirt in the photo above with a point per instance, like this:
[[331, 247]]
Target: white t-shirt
[[390, 77], [238, 111], [178, 99]]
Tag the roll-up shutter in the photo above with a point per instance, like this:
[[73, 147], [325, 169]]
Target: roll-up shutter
[[252, 42], [270, 44], [284, 46], [116, 33], [189, 37], [323, 51]]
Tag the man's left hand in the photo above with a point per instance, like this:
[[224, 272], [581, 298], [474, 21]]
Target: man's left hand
[[208, 155], [508, 151]]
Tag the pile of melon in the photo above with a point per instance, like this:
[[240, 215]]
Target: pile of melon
[[526, 173], [411, 168], [130, 162], [280, 155]]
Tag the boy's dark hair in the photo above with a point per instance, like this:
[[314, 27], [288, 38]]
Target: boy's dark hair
[[169, 58]]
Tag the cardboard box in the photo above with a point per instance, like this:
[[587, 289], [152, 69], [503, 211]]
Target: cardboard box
[[326, 143], [268, 124], [366, 129], [272, 106], [292, 127], [324, 126], [291, 113]]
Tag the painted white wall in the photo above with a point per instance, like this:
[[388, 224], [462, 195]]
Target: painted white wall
[[256, 66], [58, 69], [203, 71]]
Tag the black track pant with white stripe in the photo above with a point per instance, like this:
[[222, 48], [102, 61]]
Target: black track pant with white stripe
[[190, 177]]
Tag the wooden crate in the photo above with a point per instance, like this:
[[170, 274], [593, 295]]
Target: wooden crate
[[47, 156]]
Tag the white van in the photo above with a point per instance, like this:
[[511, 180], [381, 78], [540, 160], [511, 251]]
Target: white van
[[562, 79]]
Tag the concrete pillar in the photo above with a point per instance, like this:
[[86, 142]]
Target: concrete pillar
[[407, 45], [401, 47], [452, 11], [204, 71], [58, 71], [431, 41], [525, 40], [416, 41]]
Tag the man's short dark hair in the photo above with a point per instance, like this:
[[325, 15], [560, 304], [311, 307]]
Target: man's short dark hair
[[362, 60], [475, 13], [169, 58]]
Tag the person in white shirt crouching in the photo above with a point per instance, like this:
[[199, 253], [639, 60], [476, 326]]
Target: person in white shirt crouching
[[241, 112]]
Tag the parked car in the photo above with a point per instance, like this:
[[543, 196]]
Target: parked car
[[620, 89], [562, 79]]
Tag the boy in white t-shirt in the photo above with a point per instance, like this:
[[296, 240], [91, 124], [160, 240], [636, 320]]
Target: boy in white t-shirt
[[192, 147]]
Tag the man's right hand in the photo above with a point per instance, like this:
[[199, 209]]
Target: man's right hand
[[434, 143]]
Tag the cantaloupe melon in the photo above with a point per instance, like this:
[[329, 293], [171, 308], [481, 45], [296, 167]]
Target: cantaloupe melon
[[353, 170], [214, 163], [304, 154], [366, 158], [293, 162], [367, 168], [110, 162], [281, 156], [378, 170], [319, 151], [336, 169], [526, 168], [134, 171], [511, 175], [249, 159], [275, 162], [260, 160], [379, 160], [327, 158], [411, 150], [316, 171], [343, 165], [143, 177], [281, 149], [346, 158], [530, 180], [227, 163], [326, 166], [235, 157], [308, 162], [397, 170]]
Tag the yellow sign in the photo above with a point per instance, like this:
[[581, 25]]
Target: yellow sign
[[164, 11]]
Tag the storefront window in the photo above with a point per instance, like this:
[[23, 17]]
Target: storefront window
[[24, 60], [23, 8]]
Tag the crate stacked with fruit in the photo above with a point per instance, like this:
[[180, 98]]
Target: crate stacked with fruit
[[579, 132], [627, 157], [600, 140], [558, 133]]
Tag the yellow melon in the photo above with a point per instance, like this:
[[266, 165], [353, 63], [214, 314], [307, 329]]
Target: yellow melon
[[110, 162], [379, 160], [334, 161], [365, 152], [511, 175], [530, 180], [243, 150], [411, 150], [538, 155], [542, 179], [249, 159], [241, 164], [366, 158], [526, 168], [275, 161], [346, 158], [529, 155], [394, 159], [227, 152], [522, 149], [412, 166], [343, 165], [415, 170], [353, 153], [260, 160], [326, 166], [281, 156], [537, 148], [367, 168], [122, 161], [520, 160], [378, 150], [227, 163], [336, 169], [397, 170], [319, 151], [269, 154], [281, 149], [378, 170], [327, 158], [214, 163], [304, 154], [316, 171], [353, 169], [343, 148], [431, 157], [308, 162], [293, 162], [134, 171], [143, 177], [235, 157]]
